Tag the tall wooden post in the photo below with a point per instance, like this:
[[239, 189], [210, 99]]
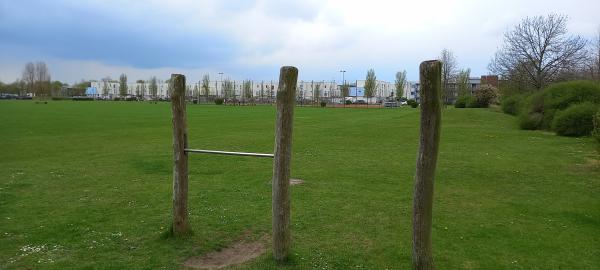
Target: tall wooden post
[[286, 94], [431, 88], [180, 157]]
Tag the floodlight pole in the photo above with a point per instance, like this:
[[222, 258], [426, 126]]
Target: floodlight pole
[[343, 86]]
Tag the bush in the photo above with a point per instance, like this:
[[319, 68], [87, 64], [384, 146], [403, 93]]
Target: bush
[[61, 98], [465, 102], [348, 102], [461, 102], [558, 97], [323, 104], [576, 120], [412, 103], [530, 121], [512, 104], [82, 98], [596, 131], [219, 101], [485, 95]]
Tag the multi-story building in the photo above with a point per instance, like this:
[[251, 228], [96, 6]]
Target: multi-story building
[[473, 81], [306, 90]]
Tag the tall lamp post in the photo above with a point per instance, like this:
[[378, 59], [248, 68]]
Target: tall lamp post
[[343, 85]]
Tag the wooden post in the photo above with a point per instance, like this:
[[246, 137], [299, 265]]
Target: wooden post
[[430, 77], [286, 94], [180, 157]]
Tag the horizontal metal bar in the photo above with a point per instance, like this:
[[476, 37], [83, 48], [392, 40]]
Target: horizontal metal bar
[[228, 153]]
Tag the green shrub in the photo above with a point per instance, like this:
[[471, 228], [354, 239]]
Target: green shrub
[[219, 101], [530, 121], [466, 102], [576, 120], [412, 103], [558, 97], [472, 103], [485, 95], [461, 102], [61, 98], [82, 98], [596, 131], [348, 102], [323, 104], [512, 104]]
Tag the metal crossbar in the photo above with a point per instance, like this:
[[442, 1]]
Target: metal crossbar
[[201, 151]]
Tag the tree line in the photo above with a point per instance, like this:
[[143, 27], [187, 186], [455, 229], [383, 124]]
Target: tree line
[[36, 79]]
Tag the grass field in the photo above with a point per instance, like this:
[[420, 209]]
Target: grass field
[[88, 185]]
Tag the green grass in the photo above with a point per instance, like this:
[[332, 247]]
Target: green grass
[[89, 184]]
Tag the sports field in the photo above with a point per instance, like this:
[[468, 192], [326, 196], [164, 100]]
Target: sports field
[[88, 185]]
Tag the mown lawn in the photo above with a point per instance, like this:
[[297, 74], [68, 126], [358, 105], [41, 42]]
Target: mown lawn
[[88, 185]]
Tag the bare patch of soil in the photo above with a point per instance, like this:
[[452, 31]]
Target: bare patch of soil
[[238, 253], [590, 164]]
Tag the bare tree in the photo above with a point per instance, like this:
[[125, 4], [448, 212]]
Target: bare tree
[[262, 90], [300, 93], [247, 90], [345, 91], [37, 78], [227, 88], [205, 87], [317, 92], [400, 83], [448, 75], [140, 88], [28, 77], [153, 87], [123, 85], [593, 63], [462, 82], [370, 84], [105, 86], [537, 50]]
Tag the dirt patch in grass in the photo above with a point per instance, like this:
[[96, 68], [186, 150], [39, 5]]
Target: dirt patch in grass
[[591, 164], [240, 252]]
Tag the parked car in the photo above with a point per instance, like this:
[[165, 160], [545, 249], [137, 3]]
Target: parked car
[[360, 102]]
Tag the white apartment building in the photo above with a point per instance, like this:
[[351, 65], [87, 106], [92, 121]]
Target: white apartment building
[[306, 90]]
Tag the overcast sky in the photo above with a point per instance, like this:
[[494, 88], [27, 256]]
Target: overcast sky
[[252, 39]]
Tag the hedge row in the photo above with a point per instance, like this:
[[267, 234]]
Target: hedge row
[[567, 108]]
